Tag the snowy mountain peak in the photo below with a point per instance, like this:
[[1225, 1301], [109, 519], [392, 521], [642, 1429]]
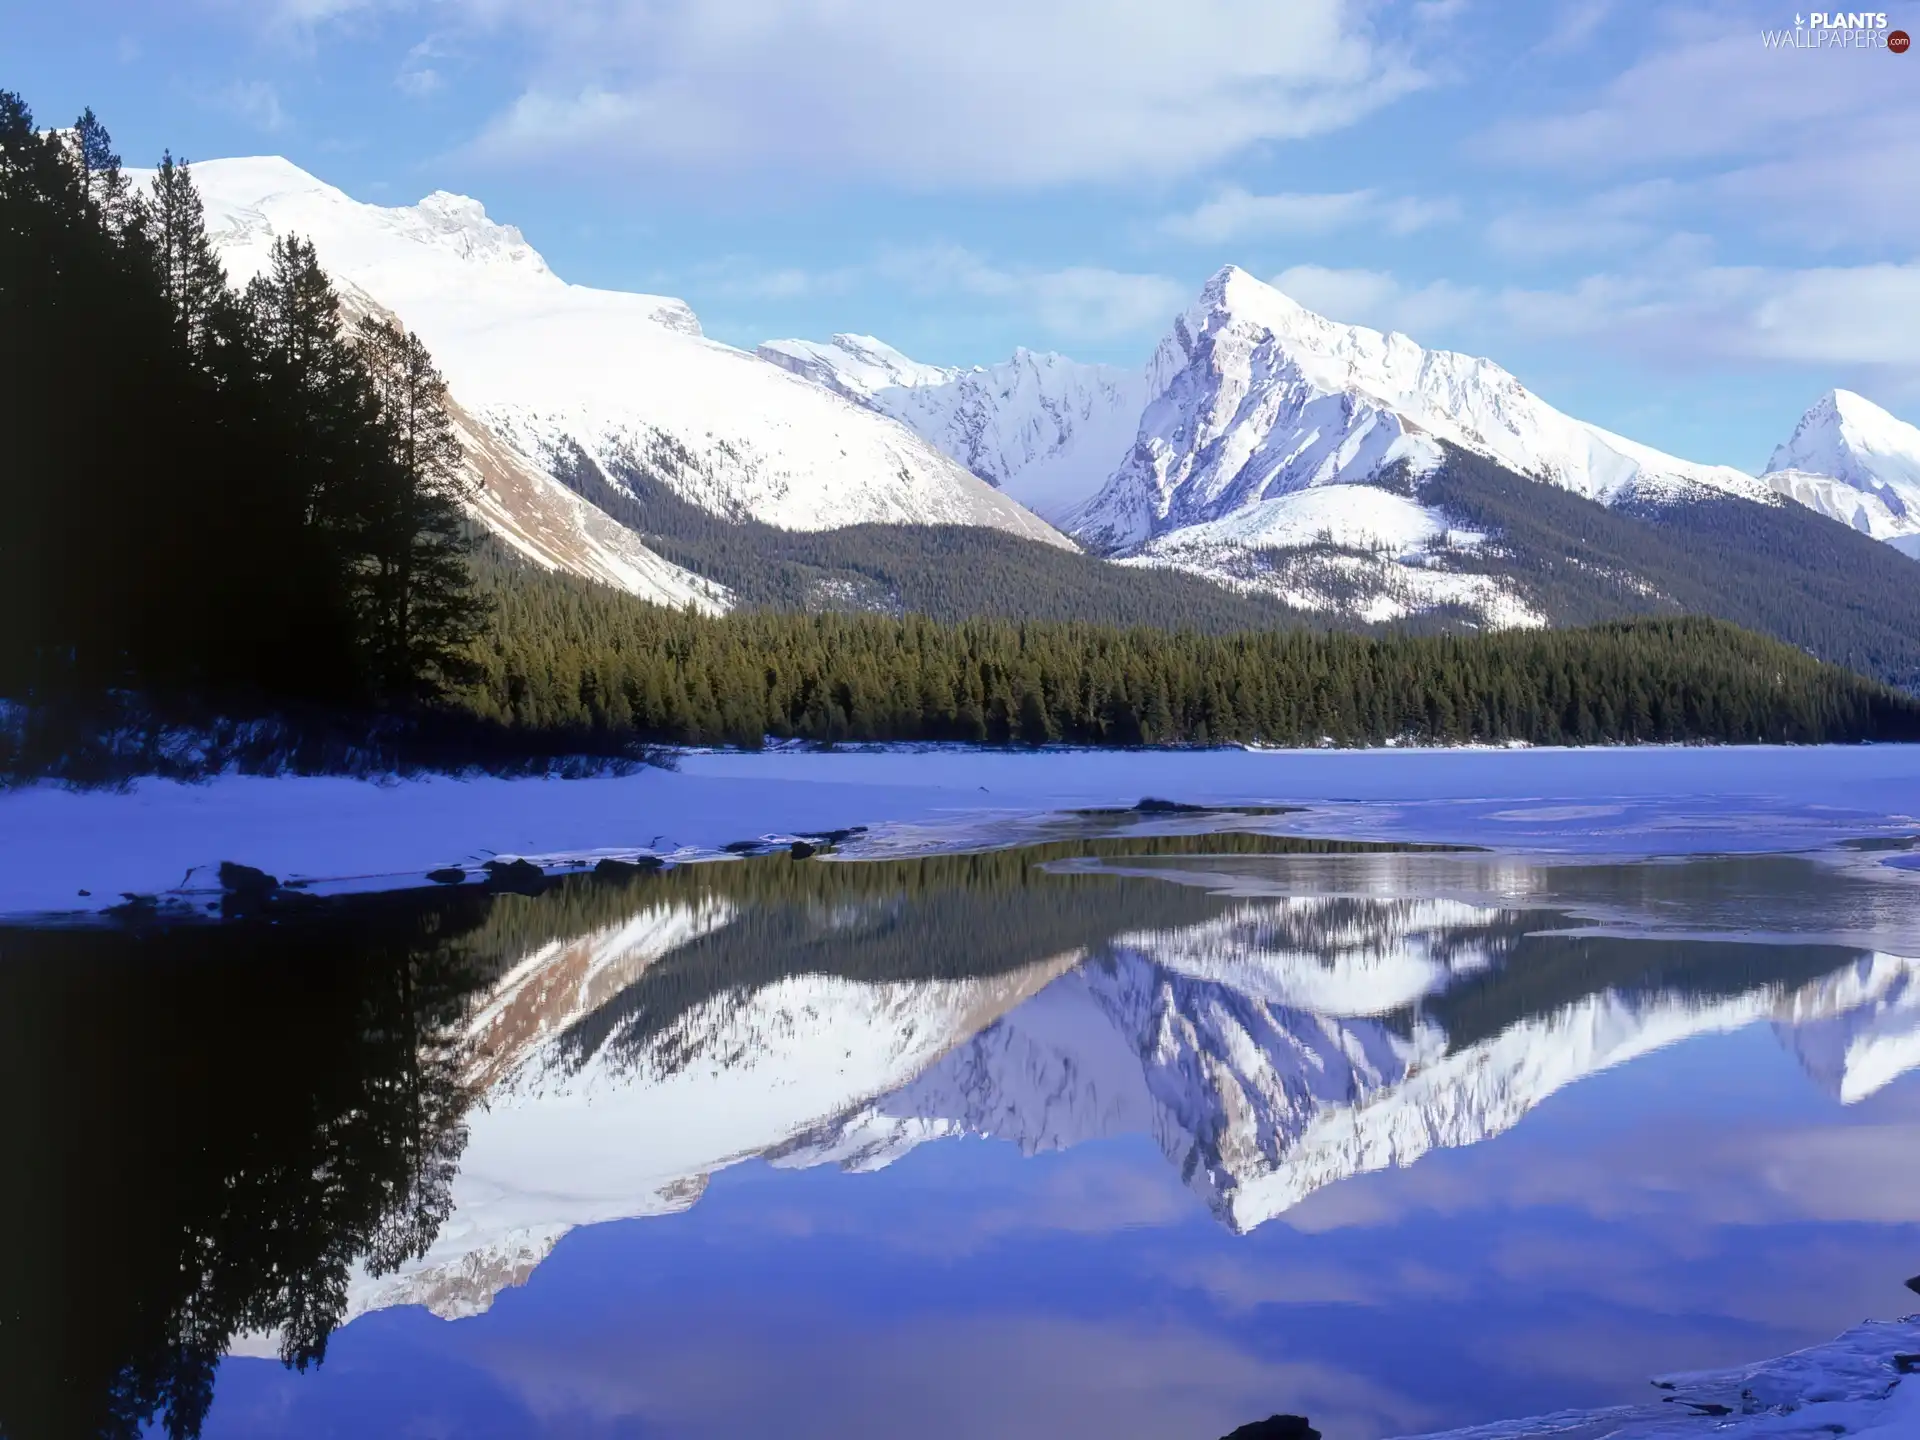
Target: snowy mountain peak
[[1848, 437], [1857, 463], [1254, 398]]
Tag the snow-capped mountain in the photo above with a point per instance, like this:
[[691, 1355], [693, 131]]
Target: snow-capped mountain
[[1267, 448], [1047, 430], [1254, 399], [627, 378], [1855, 463]]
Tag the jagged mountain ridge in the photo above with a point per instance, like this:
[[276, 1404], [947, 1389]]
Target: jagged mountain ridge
[[1252, 398], [1282, 453]]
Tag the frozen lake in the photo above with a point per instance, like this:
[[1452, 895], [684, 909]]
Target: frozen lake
[[1403, 1092]]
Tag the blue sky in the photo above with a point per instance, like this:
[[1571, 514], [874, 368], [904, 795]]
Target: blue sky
[[1655, 221]]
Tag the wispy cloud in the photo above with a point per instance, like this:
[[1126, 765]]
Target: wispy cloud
[[1075, 302], [1236, 214], [418, 75], [994, 93], [1086, 302]]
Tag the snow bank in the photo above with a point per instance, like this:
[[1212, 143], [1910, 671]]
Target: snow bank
[[55, 844]]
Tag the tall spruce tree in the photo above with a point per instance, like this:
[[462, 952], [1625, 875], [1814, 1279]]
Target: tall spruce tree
[[174, 222], [422, 609], [102, 183]]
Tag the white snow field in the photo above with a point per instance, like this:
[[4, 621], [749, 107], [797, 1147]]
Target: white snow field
[[56, 844]]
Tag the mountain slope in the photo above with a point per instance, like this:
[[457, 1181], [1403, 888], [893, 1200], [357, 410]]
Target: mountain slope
[[546, 364], [1778, 568], [946, 572], [1855, 463]]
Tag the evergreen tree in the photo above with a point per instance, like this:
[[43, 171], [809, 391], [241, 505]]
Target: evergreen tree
[[174, 223], [420, 603], [102, 185]]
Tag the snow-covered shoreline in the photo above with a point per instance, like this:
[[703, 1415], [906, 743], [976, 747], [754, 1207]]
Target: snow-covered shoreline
[[1853, 1386], [56, 843]]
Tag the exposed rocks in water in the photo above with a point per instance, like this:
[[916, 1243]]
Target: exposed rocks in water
[[239, 879], [246, 891], [447, 875], [515, 877], [1276, 1427], [801, 850]]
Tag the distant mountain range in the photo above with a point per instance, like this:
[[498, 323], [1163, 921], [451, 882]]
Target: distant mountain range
[[1298, 466]]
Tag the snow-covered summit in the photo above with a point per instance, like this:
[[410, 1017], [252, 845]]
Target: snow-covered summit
[[627, 378], [1253, 397], [1856, 463]]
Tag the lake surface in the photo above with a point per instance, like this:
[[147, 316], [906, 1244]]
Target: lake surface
[[1125, 1134]]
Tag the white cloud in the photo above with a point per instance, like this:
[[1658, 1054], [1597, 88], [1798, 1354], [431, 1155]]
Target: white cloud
[[1794, 144], [1614, 220], [1679, 308], [1076, 302], [1863, 315], [1236, 214], [991, 93], [1574, 26], [418, 77]]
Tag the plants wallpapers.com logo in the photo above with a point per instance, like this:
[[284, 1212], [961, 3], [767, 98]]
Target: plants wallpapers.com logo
[[1839, 30]]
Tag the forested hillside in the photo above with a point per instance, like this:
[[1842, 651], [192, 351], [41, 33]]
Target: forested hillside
[[1783, 570], [566, 653]]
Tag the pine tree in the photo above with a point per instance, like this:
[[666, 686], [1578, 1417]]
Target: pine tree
[[102, 185], [173, 222], [422, 610]]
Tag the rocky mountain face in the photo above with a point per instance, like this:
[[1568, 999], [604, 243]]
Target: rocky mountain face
[[1275, 451]]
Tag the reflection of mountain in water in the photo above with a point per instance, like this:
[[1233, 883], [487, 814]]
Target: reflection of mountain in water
[[290, 1100], [1270, 1043]]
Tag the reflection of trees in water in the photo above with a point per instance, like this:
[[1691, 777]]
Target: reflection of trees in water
[[206, 1128]]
